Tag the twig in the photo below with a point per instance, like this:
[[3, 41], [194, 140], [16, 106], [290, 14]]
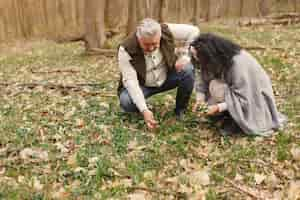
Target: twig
[[5, 84], [105, 52], [70, 39], [285, 15], [270, 21], [286, 21], [158, 191], [262, 163], [98, 93], [52, 85], [55, 71], [239, 187], [263, 48], [297, 137], [242, 189]]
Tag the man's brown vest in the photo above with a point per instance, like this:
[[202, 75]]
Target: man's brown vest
[[167, 48]]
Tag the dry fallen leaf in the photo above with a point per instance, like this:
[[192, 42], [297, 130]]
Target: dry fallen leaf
[[278, 195], [272, 180], [295, 151], [127, 182], [60, 194], [28, 154], [104, 105], [259, 178], [149, 175], [294, 190], [238, 177], [37, 184], [2, 171], [138, 196], [132, 145], [72, 160], [21, 179], [199, 195], [199, 178], [93, 161], [80, 123], [3, 151]]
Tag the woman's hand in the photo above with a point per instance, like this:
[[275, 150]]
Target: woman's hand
[[213, 110], [197, 105]]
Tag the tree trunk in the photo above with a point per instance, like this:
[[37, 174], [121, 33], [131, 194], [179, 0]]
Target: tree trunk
[[148, 8], [94, 24], [132, 16], [196, 12], [162, 10]]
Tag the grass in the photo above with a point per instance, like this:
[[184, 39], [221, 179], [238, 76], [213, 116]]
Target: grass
[[95, 151]]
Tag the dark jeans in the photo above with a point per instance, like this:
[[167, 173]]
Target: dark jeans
[[183, 81]]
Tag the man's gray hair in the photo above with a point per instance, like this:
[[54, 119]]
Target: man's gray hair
[[148, 28]]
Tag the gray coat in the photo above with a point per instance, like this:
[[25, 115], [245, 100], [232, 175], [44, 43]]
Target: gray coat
[[249, 97]]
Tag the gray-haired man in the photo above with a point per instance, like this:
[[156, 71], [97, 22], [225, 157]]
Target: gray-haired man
[[148, 66]]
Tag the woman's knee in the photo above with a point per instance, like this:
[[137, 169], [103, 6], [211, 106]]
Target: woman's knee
[[217, 90]]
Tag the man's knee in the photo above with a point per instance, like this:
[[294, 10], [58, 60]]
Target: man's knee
[[187, 75], [189, 70], [126, 102]]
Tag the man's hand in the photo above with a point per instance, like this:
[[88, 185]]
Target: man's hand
[[149, 119], [181, 62], [212, 110]]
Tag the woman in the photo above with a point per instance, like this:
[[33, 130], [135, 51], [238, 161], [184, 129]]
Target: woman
[[233, 83]]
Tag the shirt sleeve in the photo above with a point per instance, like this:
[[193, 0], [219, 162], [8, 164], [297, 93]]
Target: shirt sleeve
[[184, 32], [199, 86], [222, 106], [130, 81]]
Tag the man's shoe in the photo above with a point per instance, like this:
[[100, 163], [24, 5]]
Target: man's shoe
[[180, 115]]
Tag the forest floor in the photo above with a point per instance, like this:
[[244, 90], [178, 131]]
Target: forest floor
[[64, 136]]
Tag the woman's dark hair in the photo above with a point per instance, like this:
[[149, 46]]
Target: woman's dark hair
[[215, 53]]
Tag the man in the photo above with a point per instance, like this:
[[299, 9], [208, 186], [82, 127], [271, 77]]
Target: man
[[148, 66]]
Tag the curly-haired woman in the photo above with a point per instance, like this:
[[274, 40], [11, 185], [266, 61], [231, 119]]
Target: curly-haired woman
[[235, 86]]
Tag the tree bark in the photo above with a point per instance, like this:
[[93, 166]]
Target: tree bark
[[94, 24], [132, 16], [162, 9], [196, 12], [72, 20], [148, 8], [207, 17]]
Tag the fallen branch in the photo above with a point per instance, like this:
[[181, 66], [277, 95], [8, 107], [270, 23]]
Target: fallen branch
[[286, 21], [285, 15], [70, 39], [64, 88], [263, 164], [54, 71], [243, 189], [51, 85], [104, 52], [97, 94], [270, 21], [260, 48], [240, 188], [158, 191]]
